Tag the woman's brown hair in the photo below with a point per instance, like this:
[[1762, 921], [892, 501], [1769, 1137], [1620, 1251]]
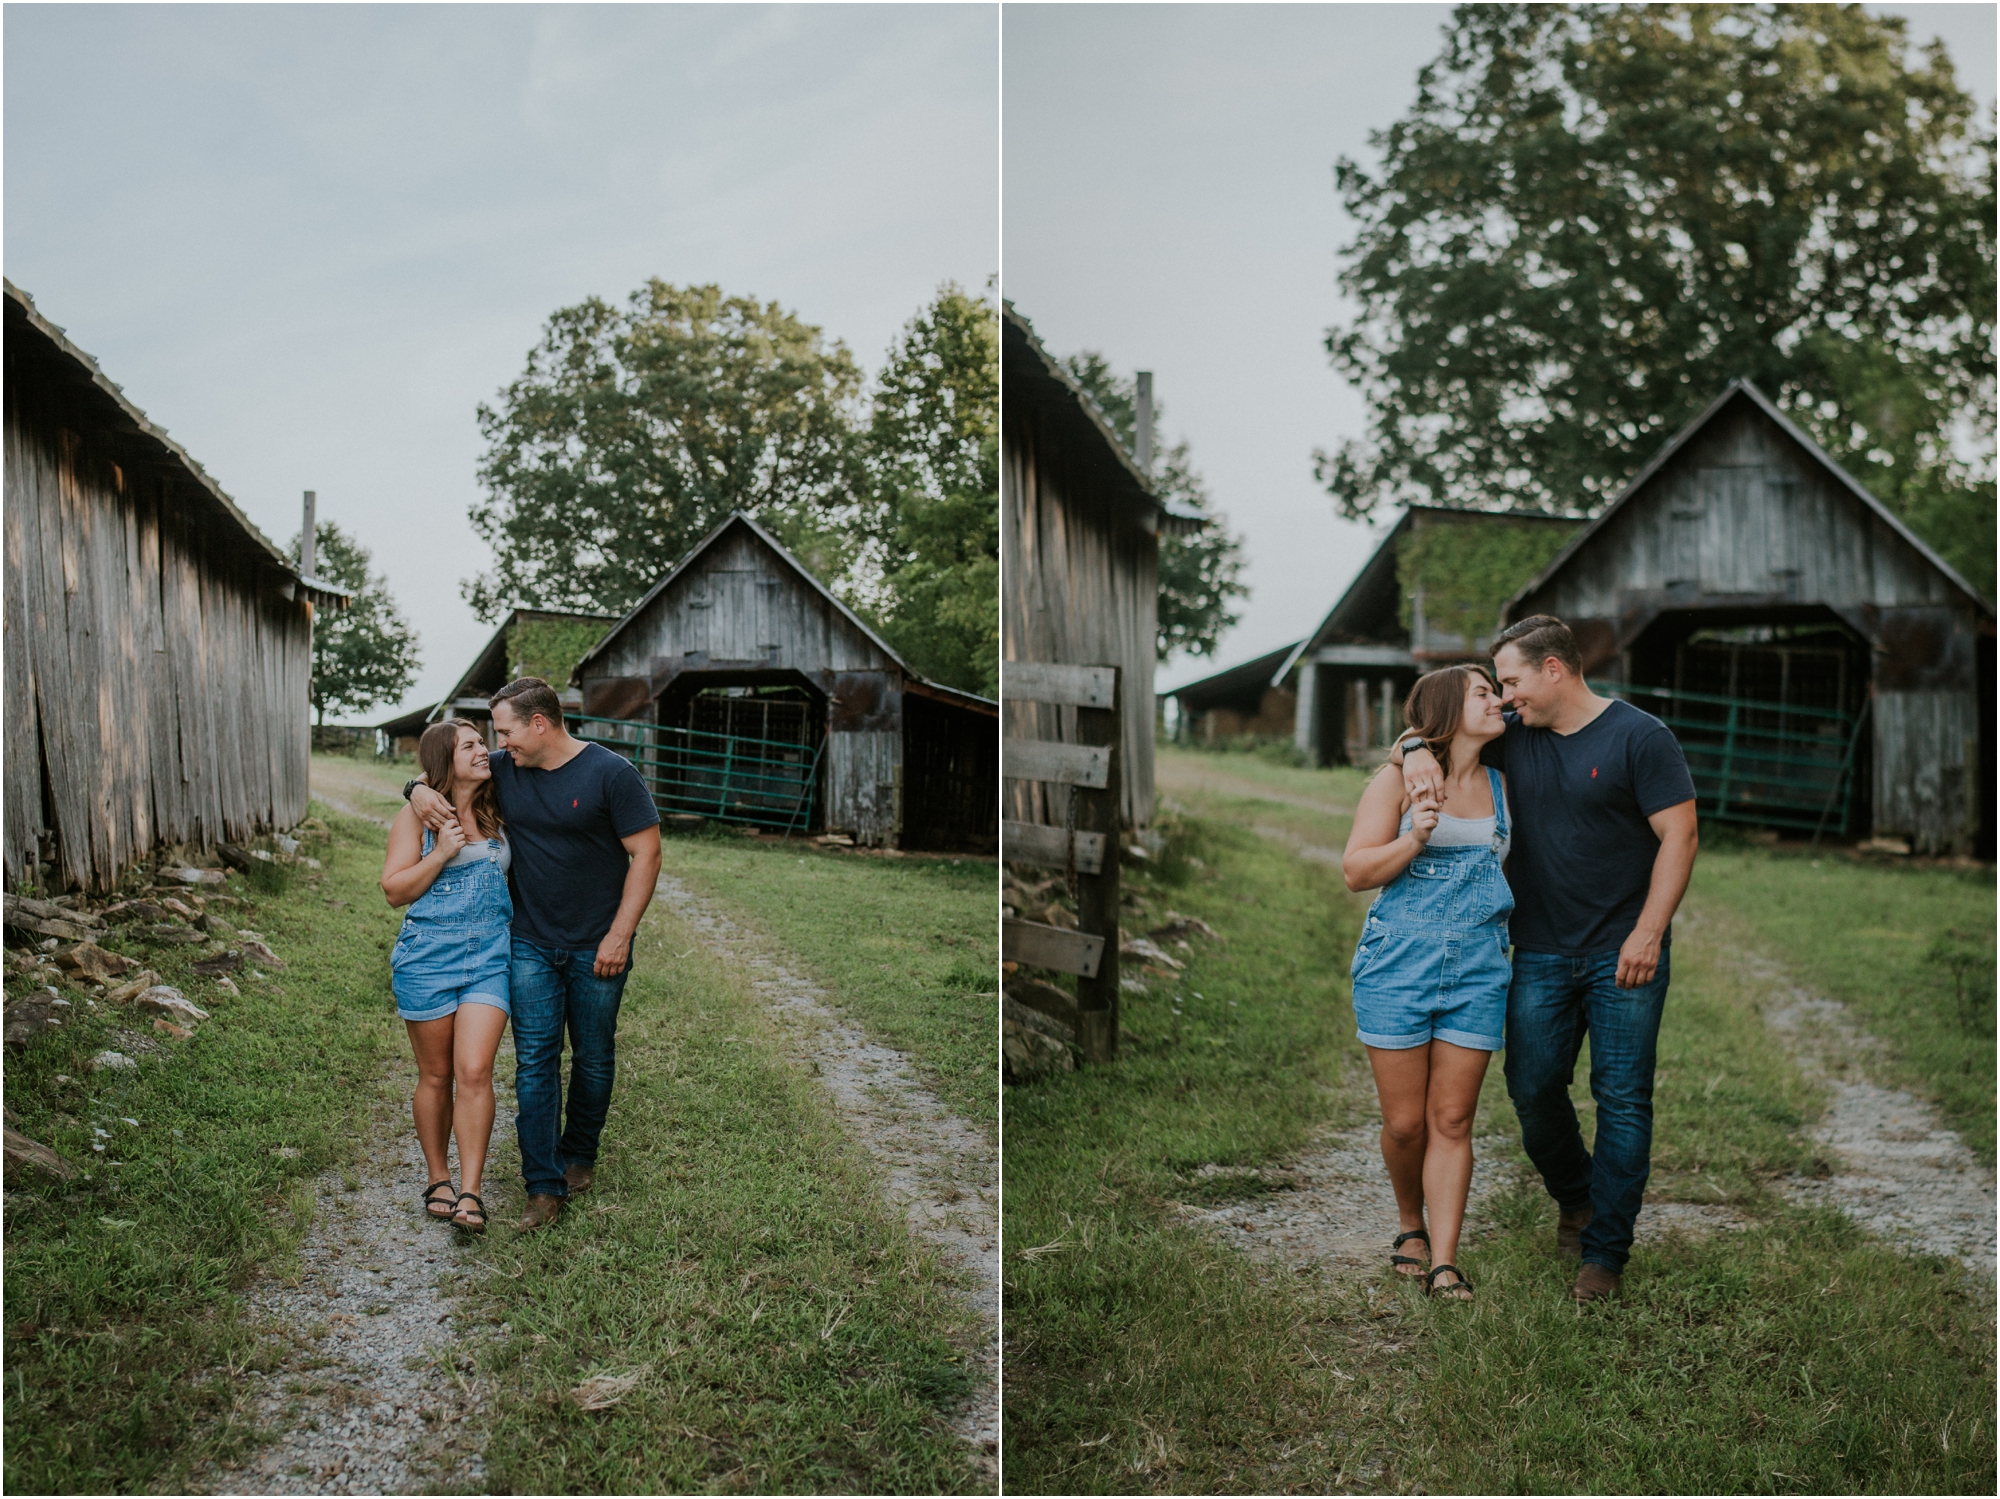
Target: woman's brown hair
[[437, 751], [1437, 704]]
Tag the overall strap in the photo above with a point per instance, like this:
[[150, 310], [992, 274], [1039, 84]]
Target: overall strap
[[430, 842], [1499, 803]]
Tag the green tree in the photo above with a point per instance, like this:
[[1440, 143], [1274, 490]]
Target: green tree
[[934, 458], [1199, 573], [635, 431], [1594, 217], [363, 655]]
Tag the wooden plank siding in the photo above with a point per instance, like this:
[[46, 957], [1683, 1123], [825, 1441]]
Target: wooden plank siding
[[1743, 521], [157, 660]]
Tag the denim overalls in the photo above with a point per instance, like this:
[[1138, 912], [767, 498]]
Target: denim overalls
[[1432, 962], [455, 947]]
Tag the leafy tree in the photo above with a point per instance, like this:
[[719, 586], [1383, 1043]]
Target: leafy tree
[[934, 457], [1201, 573], [1467, 573], [1594, 217], [635, 431], [550, 648], [363, 655]]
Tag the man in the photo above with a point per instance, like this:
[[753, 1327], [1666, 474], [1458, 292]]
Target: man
[[586, 840], [1604, 842]]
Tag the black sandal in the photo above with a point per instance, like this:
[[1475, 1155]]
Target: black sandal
[[1431, 1287], [430, 1199], [1396, 1259], [471, 1228]]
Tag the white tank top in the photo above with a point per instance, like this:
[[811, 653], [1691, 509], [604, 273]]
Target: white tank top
[[1464, 832], [479, 850]]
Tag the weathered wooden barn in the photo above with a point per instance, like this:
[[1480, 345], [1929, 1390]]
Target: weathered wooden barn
[[1236, 703], [400, 735], [745, 690], [1353, 672], [158, 647], [1080, 535], [499, 662], [1820, 664]]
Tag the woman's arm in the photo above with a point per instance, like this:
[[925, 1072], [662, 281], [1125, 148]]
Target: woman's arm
[[1376, 852], [407, 872]]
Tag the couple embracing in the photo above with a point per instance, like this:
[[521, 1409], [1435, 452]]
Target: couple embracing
[[525, 871], [1529, 810]]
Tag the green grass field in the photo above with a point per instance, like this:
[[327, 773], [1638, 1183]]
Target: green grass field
[[1143, 1355], [794, 1336]]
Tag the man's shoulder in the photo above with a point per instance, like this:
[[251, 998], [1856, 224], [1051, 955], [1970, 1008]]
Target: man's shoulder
[[1634, 722]]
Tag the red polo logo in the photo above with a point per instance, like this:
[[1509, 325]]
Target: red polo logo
[[574, 801], [1593, 775]]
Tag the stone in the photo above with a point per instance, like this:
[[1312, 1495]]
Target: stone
[[218, 965], [217, 926], [181, 909], [257, 952], [19, 921], [163, 999], [187, 874], [51, 911], [111, 1061], [33, 1016], [168, 1028], [88, 960], [1035, 994], [23, 1154], [1178, 928], [133, 987], [1036, 1020], [1148, 952], [228, 985], [1028, 1056]]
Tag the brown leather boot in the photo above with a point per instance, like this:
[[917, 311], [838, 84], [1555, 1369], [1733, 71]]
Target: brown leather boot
[[543, 1208], [1569, 1232], [579, 1175], [1595, 1283]]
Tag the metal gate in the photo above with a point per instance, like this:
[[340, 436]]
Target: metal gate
[[770, 783], [1776, 764]]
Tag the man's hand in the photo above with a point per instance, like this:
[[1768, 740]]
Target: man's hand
[[613, 954], [1638, 960], [432, 810], [1423, 778]]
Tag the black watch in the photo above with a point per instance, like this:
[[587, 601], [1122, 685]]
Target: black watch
[[409, 786], [1408, 746]]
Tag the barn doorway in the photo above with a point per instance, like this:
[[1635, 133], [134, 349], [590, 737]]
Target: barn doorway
[[1770, 708], [742, 747]]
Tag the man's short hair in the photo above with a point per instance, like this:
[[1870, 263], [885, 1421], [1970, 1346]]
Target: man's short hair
[[1539, 637], [527, 696]]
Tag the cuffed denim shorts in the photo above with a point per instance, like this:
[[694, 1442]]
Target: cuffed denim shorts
[[1415, 987], [455, 947]]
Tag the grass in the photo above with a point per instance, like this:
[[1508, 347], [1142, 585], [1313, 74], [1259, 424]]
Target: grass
[[907, 945], [737, 1250], [121, 1305], [1145, 1356]]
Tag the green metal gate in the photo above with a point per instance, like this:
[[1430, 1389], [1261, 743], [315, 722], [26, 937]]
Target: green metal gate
[[1776, 764], [770, 783]]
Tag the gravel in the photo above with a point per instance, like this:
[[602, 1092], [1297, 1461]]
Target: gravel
[[940, 1170], [369, 1397]]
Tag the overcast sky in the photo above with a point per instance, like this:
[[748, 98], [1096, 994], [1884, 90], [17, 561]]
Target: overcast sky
[[1169, 202], [309, 240]]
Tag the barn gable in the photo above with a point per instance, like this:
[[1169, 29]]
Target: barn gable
[[1743, 575]]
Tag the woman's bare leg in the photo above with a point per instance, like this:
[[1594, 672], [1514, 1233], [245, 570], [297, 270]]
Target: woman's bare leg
[[1401, 1082], [1453, 1098], [431, 1040], [478, 1039]]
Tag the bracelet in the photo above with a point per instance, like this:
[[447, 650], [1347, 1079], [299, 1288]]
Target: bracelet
[[409, 786]]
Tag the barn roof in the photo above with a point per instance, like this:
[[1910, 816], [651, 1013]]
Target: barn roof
[[1053, 390], [412, 722], [1743, 389], [490, 665], [64, 362], [1373, 595], [739, 518], [1245, 681]]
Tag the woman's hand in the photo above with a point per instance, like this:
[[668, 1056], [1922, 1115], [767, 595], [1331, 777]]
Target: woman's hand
[[451, 839], [1423, 819]]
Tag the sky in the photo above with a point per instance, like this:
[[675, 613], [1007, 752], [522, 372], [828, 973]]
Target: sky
[[1169, 202], [308, 241]]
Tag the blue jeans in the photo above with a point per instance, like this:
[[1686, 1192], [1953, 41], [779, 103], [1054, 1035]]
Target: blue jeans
[[553, 990], [1553, 1002]]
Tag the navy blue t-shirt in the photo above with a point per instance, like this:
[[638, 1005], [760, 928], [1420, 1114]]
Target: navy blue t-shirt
[[1583, 850], [569, 866]]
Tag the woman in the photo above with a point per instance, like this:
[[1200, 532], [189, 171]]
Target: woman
[[1431, 971], [450, 965]]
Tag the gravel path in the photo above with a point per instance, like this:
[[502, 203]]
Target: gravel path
[[1176, 774], [940, 1170], [1901, 1174], [369, 1397]]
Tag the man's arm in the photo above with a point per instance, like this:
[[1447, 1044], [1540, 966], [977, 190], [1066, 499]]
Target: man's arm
[[1423, 777], [1639, 958], [614, 953], [432, 809]]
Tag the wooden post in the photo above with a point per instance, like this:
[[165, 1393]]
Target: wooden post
[[1144, 423], [308, 536], [1097, 894]]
